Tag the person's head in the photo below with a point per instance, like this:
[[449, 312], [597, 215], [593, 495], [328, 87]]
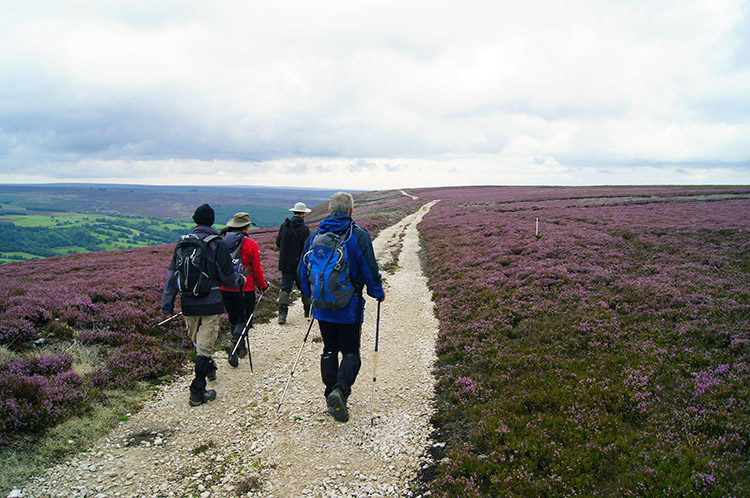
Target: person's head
[[300, 209], [240, 222], [341, 202], [204, 215]]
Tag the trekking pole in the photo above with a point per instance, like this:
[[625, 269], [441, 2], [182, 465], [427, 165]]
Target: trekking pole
[[244, 335], [377, 338], [169, 319], [294, 367]]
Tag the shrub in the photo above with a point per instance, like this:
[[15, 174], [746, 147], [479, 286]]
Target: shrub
[[605, 357]]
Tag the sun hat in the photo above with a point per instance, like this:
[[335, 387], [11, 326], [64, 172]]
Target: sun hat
[[204, 215], [240, 220], [300, 207]]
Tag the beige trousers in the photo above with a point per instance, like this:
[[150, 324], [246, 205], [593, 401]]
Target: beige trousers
[[203, 331]]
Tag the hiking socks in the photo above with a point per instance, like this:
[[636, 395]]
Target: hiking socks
[[329, 368], [347, 372], [284, 302], [211, 376], [203, 366], [237, 338]]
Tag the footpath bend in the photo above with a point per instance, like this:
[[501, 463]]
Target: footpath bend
[[239, 445]]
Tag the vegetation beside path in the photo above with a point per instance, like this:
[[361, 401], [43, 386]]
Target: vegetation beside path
[[79, 345], [593, 341]]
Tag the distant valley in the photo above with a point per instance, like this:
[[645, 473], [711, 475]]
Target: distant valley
[[39, 221]]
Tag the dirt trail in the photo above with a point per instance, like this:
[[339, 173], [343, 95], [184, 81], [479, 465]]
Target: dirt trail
[[239, 442]]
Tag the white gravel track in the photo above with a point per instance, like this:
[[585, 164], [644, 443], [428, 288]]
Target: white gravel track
[[239, 445]]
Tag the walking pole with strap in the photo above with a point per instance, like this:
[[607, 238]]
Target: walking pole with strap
[[244, 335], [294, 367], [168, 319], [377, 338]]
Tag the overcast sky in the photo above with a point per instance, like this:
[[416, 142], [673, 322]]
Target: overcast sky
[[375, 94]]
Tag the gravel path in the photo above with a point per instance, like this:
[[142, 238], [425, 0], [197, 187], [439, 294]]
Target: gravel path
[[239, 445]]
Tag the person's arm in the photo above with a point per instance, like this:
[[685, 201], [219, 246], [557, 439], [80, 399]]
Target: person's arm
[[278, 235], [170, 290], [368, 265], [302, 267], [251, 250]]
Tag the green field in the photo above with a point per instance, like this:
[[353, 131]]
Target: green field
[[36, 235], [39, 221]]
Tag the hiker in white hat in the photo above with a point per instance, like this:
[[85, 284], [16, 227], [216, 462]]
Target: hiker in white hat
[[290, 239]]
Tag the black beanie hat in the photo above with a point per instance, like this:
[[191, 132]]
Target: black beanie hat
[[204, 215]]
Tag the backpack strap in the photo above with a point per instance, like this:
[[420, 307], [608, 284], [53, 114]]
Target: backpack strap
[[296, 235], [246, 271], [208, 240]]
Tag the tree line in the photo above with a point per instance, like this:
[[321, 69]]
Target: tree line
[[48, 241]]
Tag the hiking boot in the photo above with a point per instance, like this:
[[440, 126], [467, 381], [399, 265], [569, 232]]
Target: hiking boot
[[211, 377], [337, 406], [242, 350], [233, 359], [283, 310], [199, 399]]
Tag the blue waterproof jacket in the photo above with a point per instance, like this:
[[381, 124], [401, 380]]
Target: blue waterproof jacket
[[363, 270]]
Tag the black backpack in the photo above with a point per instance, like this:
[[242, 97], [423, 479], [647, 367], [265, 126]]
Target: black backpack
[[191, 265]]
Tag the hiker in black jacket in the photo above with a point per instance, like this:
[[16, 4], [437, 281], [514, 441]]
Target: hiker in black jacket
[[202, 313], [290, 239]]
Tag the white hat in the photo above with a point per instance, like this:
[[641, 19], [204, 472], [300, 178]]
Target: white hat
[[300, 208]]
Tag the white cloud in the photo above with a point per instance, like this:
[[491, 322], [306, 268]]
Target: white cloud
[[382, 92]]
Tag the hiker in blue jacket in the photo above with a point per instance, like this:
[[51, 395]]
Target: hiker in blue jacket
[[202, 313], [341, 328]]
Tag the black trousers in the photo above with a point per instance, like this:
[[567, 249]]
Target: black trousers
[[239, 306], [341, 338], [288, 280]]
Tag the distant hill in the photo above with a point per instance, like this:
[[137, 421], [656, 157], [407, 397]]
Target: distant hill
[[175, 203], [38, 221]]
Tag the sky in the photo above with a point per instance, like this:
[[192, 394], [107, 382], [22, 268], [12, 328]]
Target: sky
[[372, 95]]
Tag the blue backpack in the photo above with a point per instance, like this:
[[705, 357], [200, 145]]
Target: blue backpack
[[327, 264]]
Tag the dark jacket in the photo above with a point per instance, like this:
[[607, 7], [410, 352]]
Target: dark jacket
[[290, 240], [363, 270], [221, 271]]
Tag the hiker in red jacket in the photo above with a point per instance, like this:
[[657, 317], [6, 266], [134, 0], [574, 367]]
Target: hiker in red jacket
[[240, 302]]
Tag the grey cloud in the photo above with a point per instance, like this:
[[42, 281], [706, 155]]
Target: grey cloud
[[361, 165]]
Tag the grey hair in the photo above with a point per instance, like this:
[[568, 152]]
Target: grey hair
[[341, 202]]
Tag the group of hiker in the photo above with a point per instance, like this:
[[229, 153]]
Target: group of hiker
[[216, 272]]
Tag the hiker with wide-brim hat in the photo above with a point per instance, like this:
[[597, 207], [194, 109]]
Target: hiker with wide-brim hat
[[289, 240], [240, 301]]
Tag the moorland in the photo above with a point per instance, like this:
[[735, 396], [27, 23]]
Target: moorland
[[38, 221], [594, 341]]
